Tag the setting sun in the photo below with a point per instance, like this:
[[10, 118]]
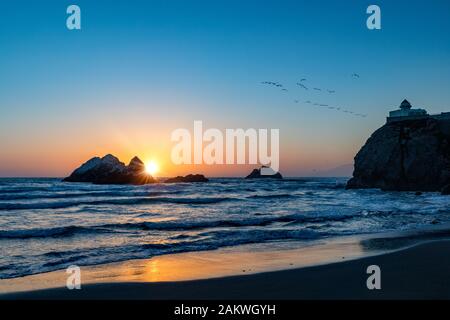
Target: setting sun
[[151, 167]]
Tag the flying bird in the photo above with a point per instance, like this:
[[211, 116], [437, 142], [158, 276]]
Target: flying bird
[[271, 83], [302, 86]]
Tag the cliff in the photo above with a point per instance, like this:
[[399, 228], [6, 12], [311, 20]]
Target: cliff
[[409, 155]]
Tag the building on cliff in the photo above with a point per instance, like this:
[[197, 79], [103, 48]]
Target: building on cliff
[[406, 112], [406, 155]]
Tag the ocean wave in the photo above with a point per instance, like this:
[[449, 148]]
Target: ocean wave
[[338, 183], [28, 196], [64, 261], [49, 232], [234, 237], [362, 214], [271, 196], [122, 201], [175, 225], [22, 189], [160, 226], [178, 225]]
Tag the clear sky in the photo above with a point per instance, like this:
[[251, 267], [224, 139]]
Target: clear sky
[[140, 69]]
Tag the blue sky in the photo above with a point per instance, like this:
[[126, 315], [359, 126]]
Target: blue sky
[[138, 67]]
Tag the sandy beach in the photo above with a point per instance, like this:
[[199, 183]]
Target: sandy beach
[[417, 272]]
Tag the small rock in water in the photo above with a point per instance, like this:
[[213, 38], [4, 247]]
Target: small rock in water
[[188, 178], [264, 173]]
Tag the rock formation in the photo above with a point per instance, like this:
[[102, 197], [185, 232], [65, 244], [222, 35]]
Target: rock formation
[[188, 178], [109, 170], [408, 155], [256, 174]]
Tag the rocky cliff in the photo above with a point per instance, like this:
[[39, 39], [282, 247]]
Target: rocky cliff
[[409, 155]]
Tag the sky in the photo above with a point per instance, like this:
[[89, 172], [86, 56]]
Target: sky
[[138, 70]]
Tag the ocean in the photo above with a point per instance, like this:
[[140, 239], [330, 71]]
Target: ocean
[[46, 224]]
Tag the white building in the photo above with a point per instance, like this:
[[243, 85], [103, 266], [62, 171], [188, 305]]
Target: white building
[[406, 112]]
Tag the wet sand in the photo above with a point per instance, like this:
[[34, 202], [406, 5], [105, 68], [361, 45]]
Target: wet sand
[[418, 272]]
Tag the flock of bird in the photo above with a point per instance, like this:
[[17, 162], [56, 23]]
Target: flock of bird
[[303, 86]]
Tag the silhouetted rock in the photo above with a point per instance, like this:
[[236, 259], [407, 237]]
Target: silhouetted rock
[[188, 178], [409, 155], [109, 170], [136, 165], [256, 174]]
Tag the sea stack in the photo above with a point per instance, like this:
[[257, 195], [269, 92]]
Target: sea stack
[[267, 174], [188, 179], [411, 152], [109, 170]]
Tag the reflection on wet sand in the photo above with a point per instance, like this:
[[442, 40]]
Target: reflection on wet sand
[[247, 259]]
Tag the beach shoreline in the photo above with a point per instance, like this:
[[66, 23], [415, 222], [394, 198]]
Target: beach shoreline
[[333, 269]]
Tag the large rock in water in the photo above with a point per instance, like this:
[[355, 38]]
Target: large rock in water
[[409, 155], [109, 170]]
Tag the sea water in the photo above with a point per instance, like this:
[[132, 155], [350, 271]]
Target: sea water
[[46, 224]]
